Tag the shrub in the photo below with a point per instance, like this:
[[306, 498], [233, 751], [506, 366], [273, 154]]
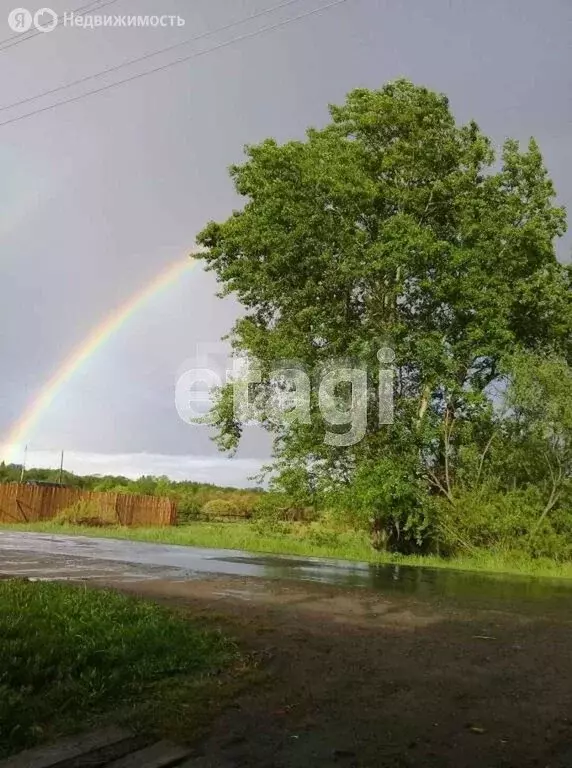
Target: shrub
[[494, 522], [87, 513], [389, 500], [271, 526], [505, 522], [188, 510], [243, 503], [219, 508], [280, 507]]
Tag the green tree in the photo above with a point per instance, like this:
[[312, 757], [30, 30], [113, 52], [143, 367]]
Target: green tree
[[539, 399], [393, 226]]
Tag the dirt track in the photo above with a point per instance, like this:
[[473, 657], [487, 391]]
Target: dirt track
[[359, 679]]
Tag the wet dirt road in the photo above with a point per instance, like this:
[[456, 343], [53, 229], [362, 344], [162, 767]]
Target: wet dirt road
[[47, 556], [368, 667]]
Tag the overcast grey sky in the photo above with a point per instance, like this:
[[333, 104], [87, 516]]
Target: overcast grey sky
[[100, 195]]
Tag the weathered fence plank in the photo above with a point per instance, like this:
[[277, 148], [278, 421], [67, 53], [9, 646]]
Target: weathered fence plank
[[22, 503]]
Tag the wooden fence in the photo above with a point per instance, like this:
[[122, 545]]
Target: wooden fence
[[21, 503]]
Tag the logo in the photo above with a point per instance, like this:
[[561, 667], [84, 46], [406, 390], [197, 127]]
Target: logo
[[45, 20], [343, 392], [21, 20]]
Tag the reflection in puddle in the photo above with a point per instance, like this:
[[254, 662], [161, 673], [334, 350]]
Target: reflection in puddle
[[84, 557]]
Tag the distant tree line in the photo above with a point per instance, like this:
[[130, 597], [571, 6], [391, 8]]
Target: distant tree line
[[193, 499]]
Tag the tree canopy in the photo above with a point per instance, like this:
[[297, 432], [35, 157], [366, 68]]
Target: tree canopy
[[393, 226]]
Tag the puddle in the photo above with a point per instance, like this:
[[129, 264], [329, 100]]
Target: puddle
[[80, 556]]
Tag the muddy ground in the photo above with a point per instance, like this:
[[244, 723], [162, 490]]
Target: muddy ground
[[355, 678]]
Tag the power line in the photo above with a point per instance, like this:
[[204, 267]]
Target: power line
[[117, 67], [24, 36], [164, 67]]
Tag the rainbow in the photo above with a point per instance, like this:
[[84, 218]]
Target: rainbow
[[97, 338]]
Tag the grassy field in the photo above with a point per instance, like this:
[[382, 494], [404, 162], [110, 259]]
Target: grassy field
[[69, 655], [309, 540]]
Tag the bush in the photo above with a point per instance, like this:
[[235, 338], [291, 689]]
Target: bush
[[322, 536], [205, 502], [390, 502], [243, 503], [280, 507], [488, 523], [271, 526], [188, 510], [219, 508], [504, 522], [87, 513]]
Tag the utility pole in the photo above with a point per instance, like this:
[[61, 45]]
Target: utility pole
[[61, 467], [24, 464]]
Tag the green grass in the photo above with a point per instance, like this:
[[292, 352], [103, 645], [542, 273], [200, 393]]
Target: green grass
[[310, 540], [69, 654]]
